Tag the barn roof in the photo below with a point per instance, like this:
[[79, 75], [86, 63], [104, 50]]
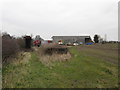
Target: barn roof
[[72, 36]]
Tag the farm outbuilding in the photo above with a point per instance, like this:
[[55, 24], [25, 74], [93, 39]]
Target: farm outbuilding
[[72, 39], [28, 40]]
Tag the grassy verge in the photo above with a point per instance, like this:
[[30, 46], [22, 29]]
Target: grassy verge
[[80, 72]]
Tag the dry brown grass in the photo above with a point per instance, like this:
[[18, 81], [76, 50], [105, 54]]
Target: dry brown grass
[[21, 58], [49, 59]]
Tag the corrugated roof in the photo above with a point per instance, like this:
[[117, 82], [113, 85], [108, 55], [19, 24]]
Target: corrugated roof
[[70, 36]]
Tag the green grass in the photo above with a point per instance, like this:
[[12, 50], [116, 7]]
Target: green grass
[[80, 72]]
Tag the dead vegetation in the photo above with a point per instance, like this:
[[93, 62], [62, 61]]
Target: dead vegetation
[[54, 49], [11, 47], [21, 58], [47, 58]]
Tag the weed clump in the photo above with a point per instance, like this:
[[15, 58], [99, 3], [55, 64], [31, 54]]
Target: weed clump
[[52, 53]]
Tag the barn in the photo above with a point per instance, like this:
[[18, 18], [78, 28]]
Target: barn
[[72, 39]]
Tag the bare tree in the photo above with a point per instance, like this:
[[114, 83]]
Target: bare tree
[[9, 46]]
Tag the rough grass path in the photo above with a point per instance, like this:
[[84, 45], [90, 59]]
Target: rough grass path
[[106, 52], [78, 72]]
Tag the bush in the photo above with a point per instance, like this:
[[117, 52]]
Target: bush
[[21, 43], [53, 48], [9, 47]]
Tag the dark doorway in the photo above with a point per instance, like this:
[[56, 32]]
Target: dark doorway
[[87, 40]]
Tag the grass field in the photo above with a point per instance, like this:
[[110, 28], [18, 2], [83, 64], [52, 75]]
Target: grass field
[[89, 67]]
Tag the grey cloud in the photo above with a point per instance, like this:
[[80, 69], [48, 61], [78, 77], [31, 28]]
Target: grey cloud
[[61, 17]]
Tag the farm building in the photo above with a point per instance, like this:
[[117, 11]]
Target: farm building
[[46, 42], [72, 39]]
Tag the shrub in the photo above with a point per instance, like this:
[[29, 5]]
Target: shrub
[[9, 46], [21, 43], [54, 48]]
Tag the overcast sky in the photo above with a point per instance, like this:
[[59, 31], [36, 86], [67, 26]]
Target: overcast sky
[[48, 18]]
